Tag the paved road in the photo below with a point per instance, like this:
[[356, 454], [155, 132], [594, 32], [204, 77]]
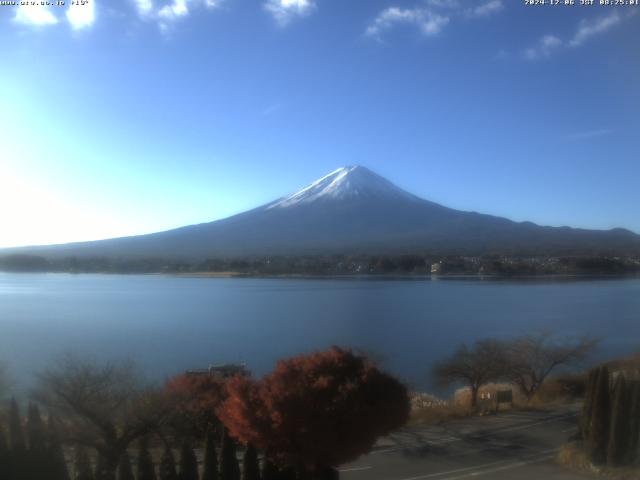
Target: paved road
[[507, 446]]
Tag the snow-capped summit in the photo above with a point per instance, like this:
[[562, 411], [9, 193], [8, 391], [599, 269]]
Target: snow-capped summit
[[352, 182]]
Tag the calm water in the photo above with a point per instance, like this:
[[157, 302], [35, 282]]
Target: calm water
[[168, 323]]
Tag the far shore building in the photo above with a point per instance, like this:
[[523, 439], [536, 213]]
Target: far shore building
[[225, 370]]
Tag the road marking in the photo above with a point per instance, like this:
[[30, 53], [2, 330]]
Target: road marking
[[388, 450], [541, 456], [505, 467], [355, 469], [517, 415]]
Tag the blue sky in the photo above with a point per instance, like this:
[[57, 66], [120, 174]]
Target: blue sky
[[131, 116]]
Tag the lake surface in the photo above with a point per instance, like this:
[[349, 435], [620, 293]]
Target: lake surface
[[168, 324]]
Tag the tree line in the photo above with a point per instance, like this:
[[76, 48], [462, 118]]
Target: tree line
[[353, 264], [311, 414]]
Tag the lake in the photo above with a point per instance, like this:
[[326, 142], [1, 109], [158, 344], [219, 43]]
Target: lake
[[170, 323]]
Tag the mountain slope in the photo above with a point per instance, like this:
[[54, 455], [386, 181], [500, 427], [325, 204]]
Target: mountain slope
[[353, 210]]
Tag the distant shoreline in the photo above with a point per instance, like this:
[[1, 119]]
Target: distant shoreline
[[412, 267], [371, 276], [416, 277], [346, 276]]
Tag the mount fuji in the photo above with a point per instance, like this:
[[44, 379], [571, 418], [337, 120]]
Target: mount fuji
[[353, 210]]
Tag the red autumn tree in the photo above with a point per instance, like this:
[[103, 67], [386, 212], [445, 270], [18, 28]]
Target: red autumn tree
[[316, 411], [196, 399], [244, 412]]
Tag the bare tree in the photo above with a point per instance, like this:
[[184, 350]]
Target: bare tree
[[473, 367], [531, 358], [104, 407]]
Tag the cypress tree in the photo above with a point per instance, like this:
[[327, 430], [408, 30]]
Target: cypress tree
[[269, 470], [4, 456], [326, 474], [288, 473], [168, 465], [38, 459], [587, 409], [210, 468], [188, 462], [600, 419], [145, 468], [229, 468], [619, 437], [82, 465], [251, 468], [100, 472], [36, 432], [18, 451], [272, 471], [56, 461], [16, 434], [124, 467], [634, 421]]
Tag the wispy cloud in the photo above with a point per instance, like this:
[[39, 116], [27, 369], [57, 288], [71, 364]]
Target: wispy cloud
[[443, 3], [169, 12], [488, 8], [81, 15], [284, 11], [545, 46], [587, 29], [431, 16], [429, 22], [35, 15], [590, 134], [501, 54]]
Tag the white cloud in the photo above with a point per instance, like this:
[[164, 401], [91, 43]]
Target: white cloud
[[431, 17], [37, 15], [487, 8], [484, 9], [174, 10], [170, 12], [452, 4], [78, 15], [545, 46], [284, 11], [430, 23], [588, 29], [81, 15], [145, 7]]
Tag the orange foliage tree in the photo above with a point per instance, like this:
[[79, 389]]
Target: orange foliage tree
[[196, 399], [316, 411]]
